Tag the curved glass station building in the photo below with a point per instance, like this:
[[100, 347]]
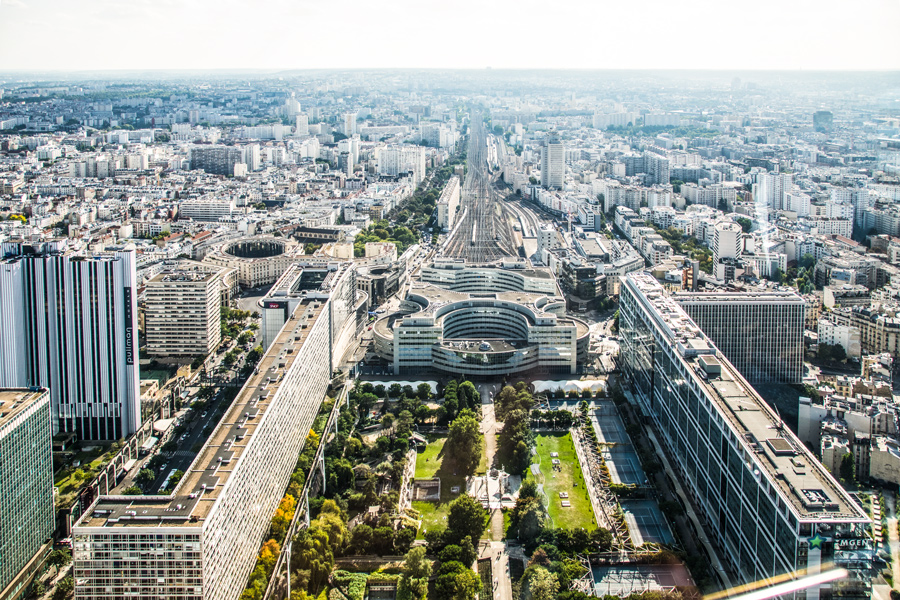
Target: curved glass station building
[[517, 327]]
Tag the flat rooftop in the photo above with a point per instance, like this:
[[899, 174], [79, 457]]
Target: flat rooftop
[[807, 487], [192, 500], [14, 400], [749, 296], [186, 276]]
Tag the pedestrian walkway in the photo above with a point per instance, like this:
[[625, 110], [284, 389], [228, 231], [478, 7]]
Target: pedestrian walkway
[[489, 429]]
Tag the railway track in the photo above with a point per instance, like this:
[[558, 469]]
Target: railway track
[[484, 233]]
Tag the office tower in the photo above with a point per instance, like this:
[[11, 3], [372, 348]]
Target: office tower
[[182, 312], [201, 541], [823, 120], [553, 164], [728, 242], [302, 125], [216, 160], [759, 495], [74, 331], [27, 517], [350, 124], [760, 333]]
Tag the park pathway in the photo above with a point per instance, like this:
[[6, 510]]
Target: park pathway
[[490, 429]]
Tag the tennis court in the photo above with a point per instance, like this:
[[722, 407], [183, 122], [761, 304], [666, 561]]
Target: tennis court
[[624, 465], [646, 523], [609, 427]]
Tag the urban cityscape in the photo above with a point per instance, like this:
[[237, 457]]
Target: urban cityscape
[[416, 334]]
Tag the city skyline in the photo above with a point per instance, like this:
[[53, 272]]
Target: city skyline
[[199, 34]]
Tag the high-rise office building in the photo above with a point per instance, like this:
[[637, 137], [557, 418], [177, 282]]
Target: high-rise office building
[[760, 333], [201, 541], [762, 498], [27, 517], [72, 328], [182, 312], [553, 163], [823, 120]]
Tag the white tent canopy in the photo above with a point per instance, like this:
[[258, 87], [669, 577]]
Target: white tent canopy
[[568, 385]]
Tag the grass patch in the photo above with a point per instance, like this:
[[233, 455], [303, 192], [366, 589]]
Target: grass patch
[[429, 464], [568, 479]]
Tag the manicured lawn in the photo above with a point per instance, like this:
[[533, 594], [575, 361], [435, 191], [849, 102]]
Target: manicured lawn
[[568, 479], [429, 463]]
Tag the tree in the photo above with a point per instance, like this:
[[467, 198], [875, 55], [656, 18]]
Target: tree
[[503, 401], [423, 391], [745, 223], [64, 589], [132, 491], [361, 539], [60, 557], [312, 557], [415, 565], [465, 442], [467, 518], [254, 356], [456, 582], [539, 584], [529, 517], [848, 468], [145, 478]]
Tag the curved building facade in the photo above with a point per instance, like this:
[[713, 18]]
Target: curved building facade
[[457, 276], [258, 260], [482, 334]]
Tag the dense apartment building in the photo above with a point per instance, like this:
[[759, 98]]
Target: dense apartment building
[[769, 505], [201, 541], [27, 517], [879, 327], [182, 312], [70, 325], [448, 204], [760, 332], [216, 160]]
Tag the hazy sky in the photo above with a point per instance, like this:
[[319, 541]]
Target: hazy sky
[[214, 34]]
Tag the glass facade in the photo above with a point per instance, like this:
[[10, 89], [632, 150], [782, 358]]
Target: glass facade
[[27, 516], [760, 529]]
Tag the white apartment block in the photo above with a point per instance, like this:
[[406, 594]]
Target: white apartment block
[[182, 312], [201, 541], [448, 204], [205, 210], [844, 336]]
